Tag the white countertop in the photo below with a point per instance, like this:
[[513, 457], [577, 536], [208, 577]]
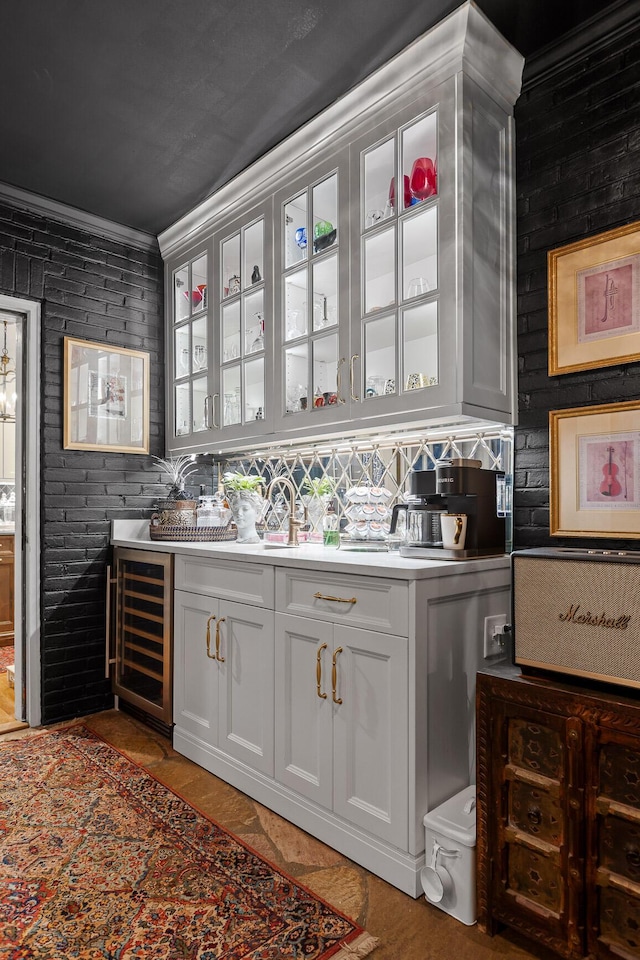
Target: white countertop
[[135, 534], [7, 528]]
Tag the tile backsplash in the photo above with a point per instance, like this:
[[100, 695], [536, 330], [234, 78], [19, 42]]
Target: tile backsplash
[[380, 463]]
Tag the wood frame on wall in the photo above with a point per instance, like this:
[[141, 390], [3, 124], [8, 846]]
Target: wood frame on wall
[[595, 471], [594, 301], [106, 397]]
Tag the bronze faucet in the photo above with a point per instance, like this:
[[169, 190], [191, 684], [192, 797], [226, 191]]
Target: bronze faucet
[[294, 523]]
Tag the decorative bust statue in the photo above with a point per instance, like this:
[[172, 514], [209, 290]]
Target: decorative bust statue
[[247, 507]]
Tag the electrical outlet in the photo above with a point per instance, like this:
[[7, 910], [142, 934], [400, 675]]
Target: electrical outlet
[[494, 635]]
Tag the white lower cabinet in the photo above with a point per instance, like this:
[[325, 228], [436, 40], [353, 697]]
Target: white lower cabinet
[[341, 721], [342, 701], [223, 676]]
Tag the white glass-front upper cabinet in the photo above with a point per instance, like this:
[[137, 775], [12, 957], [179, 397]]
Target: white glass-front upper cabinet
[[312, 302]]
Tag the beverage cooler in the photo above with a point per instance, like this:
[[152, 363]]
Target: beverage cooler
[[139, 634]]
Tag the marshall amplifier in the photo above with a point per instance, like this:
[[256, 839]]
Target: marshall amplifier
[[577, 612]]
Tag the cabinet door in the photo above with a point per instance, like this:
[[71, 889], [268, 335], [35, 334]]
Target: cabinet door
[[245, 670], [196, 670], [243, 325], [6, 590], [403, 326], [536, 840], [370, 732], [613, 851], [312, 305], [189, 367], [303, 716]]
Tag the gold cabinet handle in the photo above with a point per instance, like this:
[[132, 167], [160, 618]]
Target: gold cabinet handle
[[339, 380], [353, 359], [322, 647], [214, 397], [324, 596], [209, 637], [218, 657], [334, 675]]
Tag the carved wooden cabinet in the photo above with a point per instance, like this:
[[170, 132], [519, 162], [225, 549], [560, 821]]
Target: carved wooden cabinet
[[7, 624], [558, 789]]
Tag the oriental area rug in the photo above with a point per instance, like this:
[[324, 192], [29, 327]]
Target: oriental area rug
[[100, 861]]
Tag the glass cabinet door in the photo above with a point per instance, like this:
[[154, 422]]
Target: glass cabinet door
[[313, 335], [190, 349], [399, 274], [243, 320]]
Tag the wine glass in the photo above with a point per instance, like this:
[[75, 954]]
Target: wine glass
[[199, 356]]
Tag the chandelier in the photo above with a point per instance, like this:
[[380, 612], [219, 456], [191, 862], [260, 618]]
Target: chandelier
[[8, 394]]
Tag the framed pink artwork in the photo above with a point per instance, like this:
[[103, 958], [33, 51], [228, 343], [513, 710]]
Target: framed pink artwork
[[595, 471], [594, 301]]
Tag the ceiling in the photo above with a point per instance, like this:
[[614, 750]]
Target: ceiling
[[136, 110]]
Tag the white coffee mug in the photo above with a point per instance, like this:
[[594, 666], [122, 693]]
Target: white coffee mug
[[454, 530]]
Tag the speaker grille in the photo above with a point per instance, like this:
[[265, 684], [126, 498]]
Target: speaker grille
[[579, 617]]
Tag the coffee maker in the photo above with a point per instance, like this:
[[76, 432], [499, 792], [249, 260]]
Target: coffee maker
[[456, 486]]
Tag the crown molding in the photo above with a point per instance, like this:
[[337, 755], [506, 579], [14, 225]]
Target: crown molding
[[593, 35], [54, 210], [465, 41]]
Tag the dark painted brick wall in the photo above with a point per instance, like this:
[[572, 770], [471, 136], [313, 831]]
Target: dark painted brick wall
[[95, 289], [578, 174]]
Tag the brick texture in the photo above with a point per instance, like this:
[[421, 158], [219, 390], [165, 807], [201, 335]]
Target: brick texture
[[95, 289], [577, 174]]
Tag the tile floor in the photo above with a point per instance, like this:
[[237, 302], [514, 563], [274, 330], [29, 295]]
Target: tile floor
[[407, 929]]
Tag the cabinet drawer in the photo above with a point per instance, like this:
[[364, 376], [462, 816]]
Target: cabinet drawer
[[6, 546], [227, 579], [368, 602]]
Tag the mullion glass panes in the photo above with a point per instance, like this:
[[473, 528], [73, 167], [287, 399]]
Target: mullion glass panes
[[254, 390], [420, 253], [325, 370], [182, 351], [419, 159], [295, 230], [325, 293], [378, 171], [231, 395], [199, 284], [296, 363], [231, 331], [199, 345], [253, 305], [420, 346], [253, 258], [198, 407], [380, 356], [181, 309], [182, 409], [380, 270], [295, 304], [230, 277], [325, 213]]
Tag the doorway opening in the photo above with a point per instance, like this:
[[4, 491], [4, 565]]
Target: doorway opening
[[20, 701]]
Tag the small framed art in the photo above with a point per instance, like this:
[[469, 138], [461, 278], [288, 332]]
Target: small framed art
[[595, 471], [594, 301], [106, 397]]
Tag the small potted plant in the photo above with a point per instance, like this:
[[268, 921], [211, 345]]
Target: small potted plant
[[316, 496], [243, 492], [177, 509]]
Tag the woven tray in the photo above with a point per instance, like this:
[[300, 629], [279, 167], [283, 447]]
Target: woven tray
[[165, 532]]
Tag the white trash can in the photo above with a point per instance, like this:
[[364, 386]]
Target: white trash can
[[449, 876]]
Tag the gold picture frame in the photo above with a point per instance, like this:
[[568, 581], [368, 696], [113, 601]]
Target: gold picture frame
[[594, 301], [595, 471], [106, 397]]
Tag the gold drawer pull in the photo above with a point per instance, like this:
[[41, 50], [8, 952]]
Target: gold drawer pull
[[218, 657], [209, 637], [322, 647], [323, 596]]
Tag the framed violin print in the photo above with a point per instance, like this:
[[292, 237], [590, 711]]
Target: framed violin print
[[595, 471], [594, 301]]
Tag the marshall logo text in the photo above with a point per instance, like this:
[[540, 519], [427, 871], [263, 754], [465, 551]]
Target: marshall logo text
[[592, 619]]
